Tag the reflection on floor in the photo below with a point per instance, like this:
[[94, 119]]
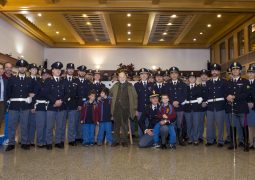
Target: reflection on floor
[[127, 163]]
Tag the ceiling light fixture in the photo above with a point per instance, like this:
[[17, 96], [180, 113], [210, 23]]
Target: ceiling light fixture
[[169, 24], [128, 15], [64, 38], [164, 33], [174, 16], [88, 23], [84, 15], [49, 24], [161, 40], [209, 25], [129, 39], [129, 24], [201, 33], [39, 14], [218, 15], [57, 32], [129, 32], [194, 39]]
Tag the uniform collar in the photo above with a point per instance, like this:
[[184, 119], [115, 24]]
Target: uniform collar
[[159, 84], [81, 79], [68, 77], [236, 79], [22, 75], [144, 81], [55, 78], [192, 85], [174, 81], [95, 82]]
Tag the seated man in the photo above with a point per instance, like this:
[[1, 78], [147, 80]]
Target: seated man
[[166, 116], [148, 120]]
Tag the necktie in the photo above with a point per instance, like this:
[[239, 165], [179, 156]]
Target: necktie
[[144, 84], [57, 79], [174, 83], [69, 79], [81, 81]]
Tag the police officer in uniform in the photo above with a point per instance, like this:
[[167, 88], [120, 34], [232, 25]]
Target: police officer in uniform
[[40, 107], [158, 86], [204, 79], [143, 90], [215, 99], [83, 88], [33, 69], [71, 105], [237, 105], [89, 75], [55, 114], [19, 94], [192, 109], [251, 100], [177, 93], [166, 76], [97, 84]]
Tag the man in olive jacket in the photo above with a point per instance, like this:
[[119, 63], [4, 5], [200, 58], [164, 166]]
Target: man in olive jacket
[[124, 103]]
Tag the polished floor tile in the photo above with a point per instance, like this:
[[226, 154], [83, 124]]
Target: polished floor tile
[[75, 163]]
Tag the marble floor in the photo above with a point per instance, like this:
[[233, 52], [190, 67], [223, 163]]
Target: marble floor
[[105, 162]]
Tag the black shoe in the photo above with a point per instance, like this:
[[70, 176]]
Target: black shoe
[[78, 140], [163, 146], [41, 146], [246, 149], [201, 141], [251, 148], [172, 146], [59, 145], [220, 145], [10, 147], [241, 144], [124, 144], [73, 143], [226, 142], [49, 146], [190, 142], [182, 143], [196, 143], [209, 144], [25, 146], [231, 146], [32, 145], [115, 144]]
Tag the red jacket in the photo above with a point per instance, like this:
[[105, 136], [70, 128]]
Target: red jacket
[[169, 111], [83, 112]]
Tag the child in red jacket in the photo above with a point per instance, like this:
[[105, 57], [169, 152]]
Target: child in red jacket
[[89, 118]]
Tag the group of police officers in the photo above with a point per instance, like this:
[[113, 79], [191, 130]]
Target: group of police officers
[[40, 105]]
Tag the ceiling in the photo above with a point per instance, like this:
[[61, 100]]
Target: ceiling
[[127, 23]]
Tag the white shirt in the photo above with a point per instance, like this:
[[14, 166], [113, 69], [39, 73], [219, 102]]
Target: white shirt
[[56, 78], [22, 76], [159, 85], [192, 85], [95, 82], [81, 79], [236, 79], [215, 79], [33, 77], [153, 107], [144, 82], [251, 81], [69, 77], [174, 81]]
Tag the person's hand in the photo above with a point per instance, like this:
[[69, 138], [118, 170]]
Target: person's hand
[[32, 110], [58, 103], [250, 105], [176, 104], [79, 108], [230, 98], [137, 114], [97, 123], [99, 98], [31, 94], [149, 132], [162, 123], [204, 104], [165, 116]]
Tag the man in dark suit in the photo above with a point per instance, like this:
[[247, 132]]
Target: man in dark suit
[[3, 85]]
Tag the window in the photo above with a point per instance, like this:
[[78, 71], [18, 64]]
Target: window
[[222, 53], [251, 31], [240, 37], [231, 48]]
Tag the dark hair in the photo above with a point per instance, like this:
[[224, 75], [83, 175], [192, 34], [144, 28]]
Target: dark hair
[[7, 63], [92, 92], [164, 94], [106, 91]]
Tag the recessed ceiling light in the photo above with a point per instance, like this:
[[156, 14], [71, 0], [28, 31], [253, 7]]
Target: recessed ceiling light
[[218, 15], [49, 24], [129, 24], [88, 23], [39, 14], [64, 38], [169, 24], [57, 32], [97, 39], [161, 40], [174, 16], [209, 25], [201, 33], [84, 15], [164, 33], [194, 39], [129, 39], [129, 32], [128, 15]]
